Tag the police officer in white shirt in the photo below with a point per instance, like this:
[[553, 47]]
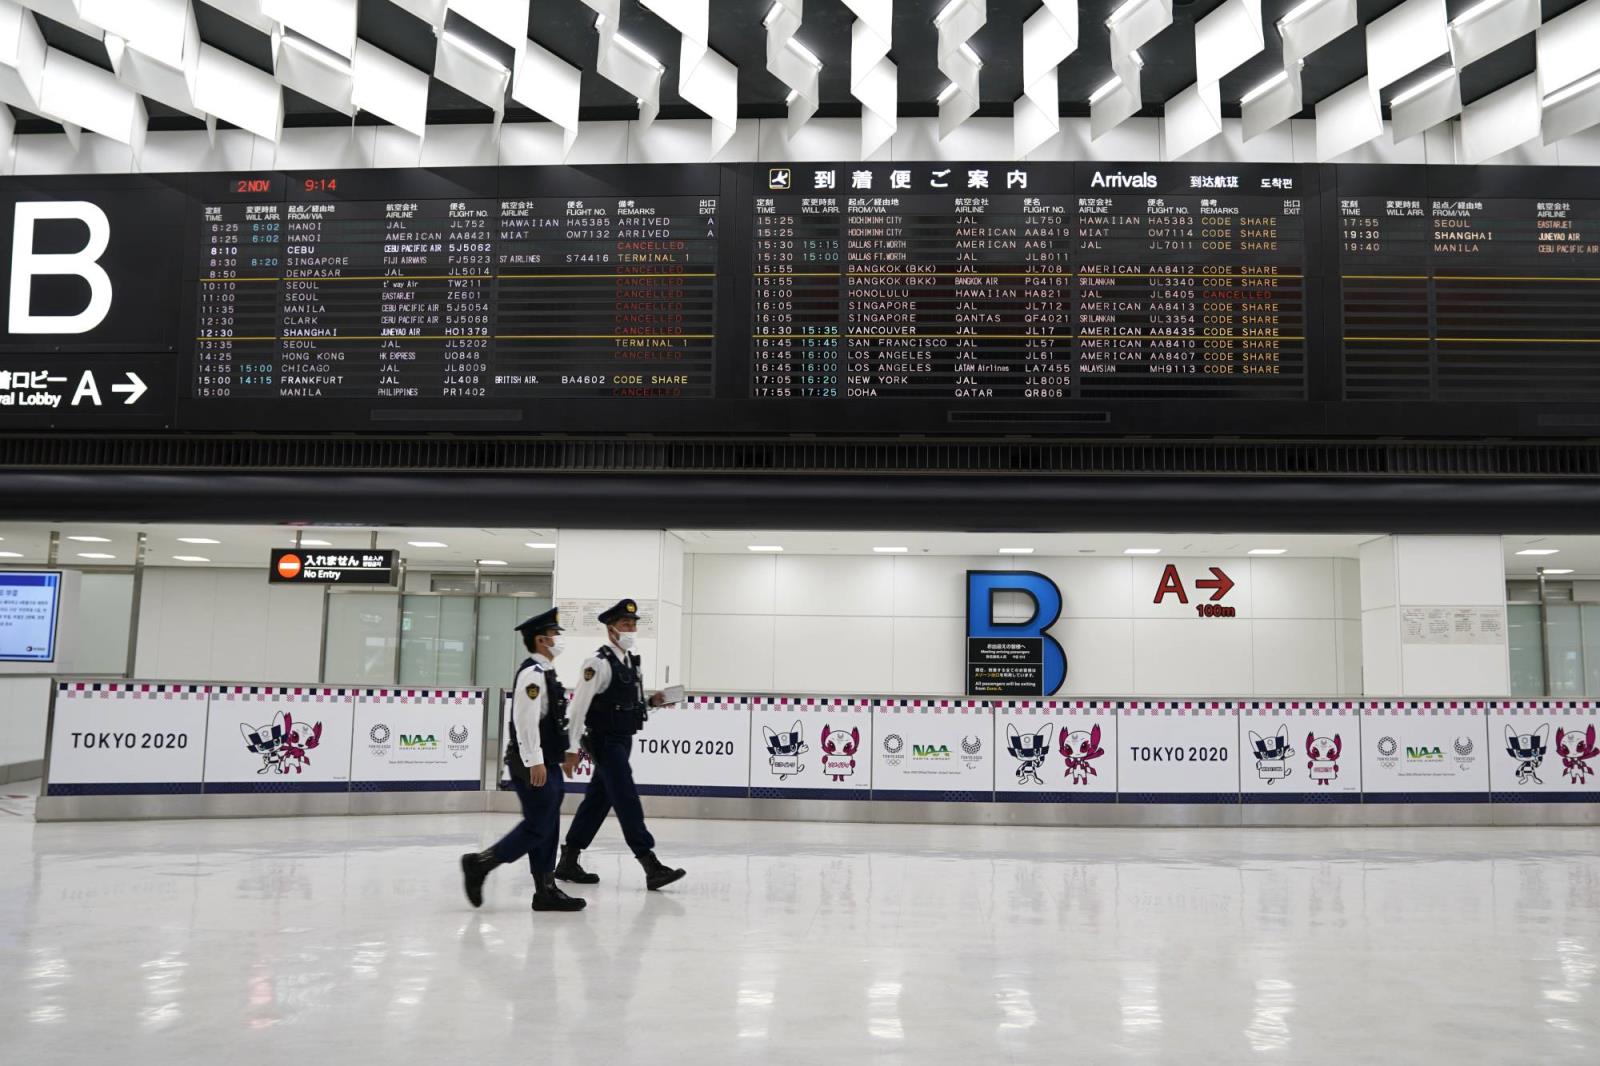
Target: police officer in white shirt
[[611, 704], [539, 752]]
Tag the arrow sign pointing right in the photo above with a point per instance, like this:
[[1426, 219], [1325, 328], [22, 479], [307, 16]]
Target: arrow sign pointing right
[[1222, 583], [137, 388]]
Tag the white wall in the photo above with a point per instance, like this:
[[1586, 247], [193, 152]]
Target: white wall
[[216, 624], [896, 624]]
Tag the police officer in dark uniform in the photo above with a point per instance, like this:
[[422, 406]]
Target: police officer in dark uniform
[[538, 753], [611, 703]]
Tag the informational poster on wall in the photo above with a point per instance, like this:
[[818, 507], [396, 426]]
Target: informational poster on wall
[[933, 750], [1055, 751], [1424, 751], [1453, 625], [417, 740], [1299, 751], [1177, 751], [1545, 751], [810, 747], [264, 738], [127, 739], [28, 612], [582, 616], [699, 747]]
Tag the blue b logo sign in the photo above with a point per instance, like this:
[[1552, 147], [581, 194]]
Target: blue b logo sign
[[1013, 658]]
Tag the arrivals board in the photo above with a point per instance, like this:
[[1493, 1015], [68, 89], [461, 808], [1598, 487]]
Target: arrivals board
[[818, 298]]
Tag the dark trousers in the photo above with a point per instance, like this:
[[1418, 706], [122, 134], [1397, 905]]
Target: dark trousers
[[610, 788], [536, 835]]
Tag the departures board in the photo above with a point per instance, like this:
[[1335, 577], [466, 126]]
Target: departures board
[[818, 298]]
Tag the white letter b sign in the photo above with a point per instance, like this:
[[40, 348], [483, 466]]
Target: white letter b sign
[[26, 264]]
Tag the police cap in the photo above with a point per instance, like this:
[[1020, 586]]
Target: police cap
[[540, 623], [622, 609]]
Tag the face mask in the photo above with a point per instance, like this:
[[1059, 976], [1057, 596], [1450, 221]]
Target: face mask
[[625, 641], [557, 646]]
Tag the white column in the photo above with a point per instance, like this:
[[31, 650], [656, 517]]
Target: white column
[[1433, 616], [595, 565]]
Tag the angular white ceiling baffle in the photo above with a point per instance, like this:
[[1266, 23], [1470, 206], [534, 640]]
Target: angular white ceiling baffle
[[956, 22], [1348, 119], [548, 85], [1223, 39], [1424, 102], [1500, 121], [157, 28], [622, 62], [1048, 37], [236, 92], [331, 23], [393, 90], [92, 99], [430, 11], [1488, 26], [66, 13], [874, 79], [793, 63], [705, 78], [1132, 24], [1401, 43], [1568, 71], [22, 51], [1304, 28], [459, 62], [246, 11], [306, 67]]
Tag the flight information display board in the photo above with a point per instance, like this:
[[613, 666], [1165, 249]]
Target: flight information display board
[[1470, 283], [1031, 282], [472, 285], [819, 298]]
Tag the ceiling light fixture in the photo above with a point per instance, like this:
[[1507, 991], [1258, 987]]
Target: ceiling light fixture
[[91, 540], [1105, 90], [191, 558], [972, 57], [95, 555], [1268, 551], [630, 46], [540, 545], [1299, 12], [803, 52], [458, 41], [1542, 570], [1567, 92], [491, 562], [1539, 551], [197, 540], [307, 542], [10, 555], [1127, 9], [947, 92], [890, 551], [427, 544], [1473, 14], [1141, 551], [1016, 551], [765, 547], [1265, 87], [1423, 86]]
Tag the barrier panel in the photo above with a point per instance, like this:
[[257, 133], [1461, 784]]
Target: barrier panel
[[972, 758]]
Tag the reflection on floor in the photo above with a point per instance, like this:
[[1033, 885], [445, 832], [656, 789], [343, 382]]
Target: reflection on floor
[[347, 939]]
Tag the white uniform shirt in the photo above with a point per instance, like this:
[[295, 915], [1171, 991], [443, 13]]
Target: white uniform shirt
[[596, 678], [529, 704]]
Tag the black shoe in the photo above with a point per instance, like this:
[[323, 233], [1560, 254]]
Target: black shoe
[[656, 873], [475, 868], [569, 870], [547, 897]]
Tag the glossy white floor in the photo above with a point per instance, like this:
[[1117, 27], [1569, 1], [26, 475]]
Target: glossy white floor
[[344, 940]]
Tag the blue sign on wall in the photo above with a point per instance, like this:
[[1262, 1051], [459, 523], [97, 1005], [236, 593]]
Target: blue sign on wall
[[28, 603], [1013, 658]]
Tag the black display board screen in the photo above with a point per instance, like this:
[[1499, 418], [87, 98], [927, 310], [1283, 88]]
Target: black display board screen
[[819, 298]]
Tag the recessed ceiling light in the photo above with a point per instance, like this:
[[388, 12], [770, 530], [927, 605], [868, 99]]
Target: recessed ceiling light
[[91, 540], [890, 551], [1016, 551], [1141, 551], [427, 544], [766, 547], [10, 555], [1268, 551], [191, 558], [491, 562], [95, 555], [307, 542], [1543, 571], [541, 545], [199, 540], [1538, 551]]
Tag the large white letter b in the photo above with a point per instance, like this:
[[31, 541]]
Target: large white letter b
[[26, 264]]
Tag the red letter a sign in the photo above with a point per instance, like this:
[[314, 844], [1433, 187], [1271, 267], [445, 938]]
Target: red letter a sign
[[1171, 584]]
